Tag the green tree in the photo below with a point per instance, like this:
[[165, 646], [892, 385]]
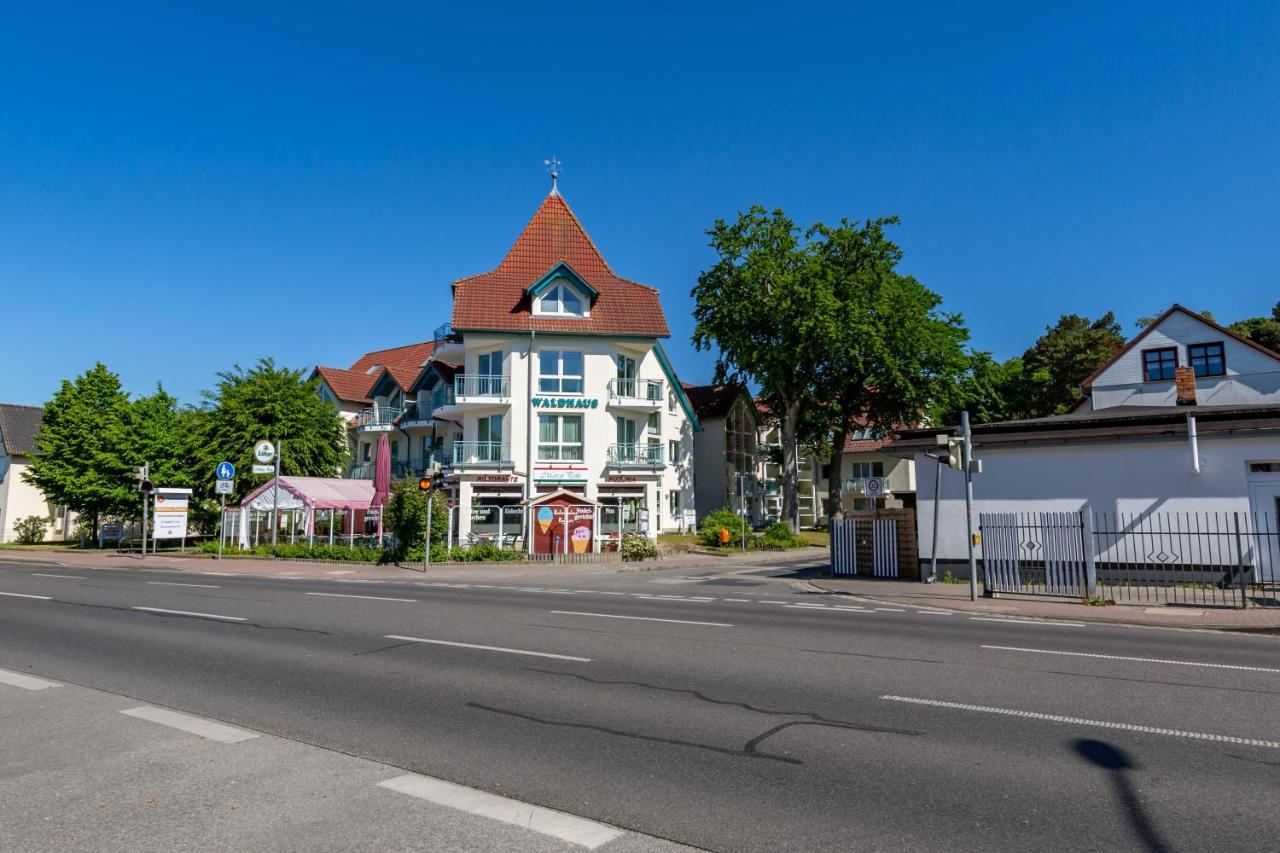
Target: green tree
[[767, 313], [81, 464], [892, 356], [1261, 330], [155, 430], [405, 515], [1068, 353], [989, 390], [269, 403]]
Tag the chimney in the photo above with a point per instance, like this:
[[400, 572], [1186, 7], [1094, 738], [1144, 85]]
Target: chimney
[[1184, 382]]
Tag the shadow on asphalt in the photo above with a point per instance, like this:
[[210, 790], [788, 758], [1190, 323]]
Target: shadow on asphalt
[[1118, 764]]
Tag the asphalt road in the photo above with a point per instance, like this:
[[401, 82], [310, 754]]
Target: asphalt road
[[729, 712]]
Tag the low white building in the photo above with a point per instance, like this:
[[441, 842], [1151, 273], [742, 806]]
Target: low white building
[[18, 498], [1185, 419]]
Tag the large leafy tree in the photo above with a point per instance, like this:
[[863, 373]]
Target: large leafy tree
[[1054, 368], [989, 390], [892, 355], [81, 462], [768, 313], [272, 403], [1262, 330]]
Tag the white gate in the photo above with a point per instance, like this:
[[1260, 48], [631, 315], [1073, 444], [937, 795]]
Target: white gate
[[867, 543]]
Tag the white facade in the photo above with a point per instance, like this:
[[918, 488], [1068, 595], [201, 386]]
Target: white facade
[[1129, 476], [1140, 376], [522, 419], [19, 499]]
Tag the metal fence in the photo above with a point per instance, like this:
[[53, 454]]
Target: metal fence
[[1205, 559], [863, 545]]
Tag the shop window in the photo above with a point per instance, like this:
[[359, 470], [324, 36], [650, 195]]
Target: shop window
[[1207, 359], [1158, 364], [559, 372], [560, 438]]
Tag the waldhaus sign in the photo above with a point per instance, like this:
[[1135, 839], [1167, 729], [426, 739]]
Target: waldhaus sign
[[565, 403]]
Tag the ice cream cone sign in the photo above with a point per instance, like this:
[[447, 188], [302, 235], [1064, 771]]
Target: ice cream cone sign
[[545, 517], [580, 539]]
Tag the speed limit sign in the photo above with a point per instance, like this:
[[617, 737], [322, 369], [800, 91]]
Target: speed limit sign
[[875, 487]]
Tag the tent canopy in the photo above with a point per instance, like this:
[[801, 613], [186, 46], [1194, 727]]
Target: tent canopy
[[312, 493]]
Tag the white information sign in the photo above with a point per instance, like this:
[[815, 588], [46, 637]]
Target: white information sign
[[264, 469], [264, 452], [171, 513], [225, 487], [689, 519]]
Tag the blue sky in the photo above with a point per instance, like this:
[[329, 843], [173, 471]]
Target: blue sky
[[181, 191]]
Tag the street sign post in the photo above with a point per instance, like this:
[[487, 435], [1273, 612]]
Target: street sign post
[[225, 471], [223, 488], [264, 453]]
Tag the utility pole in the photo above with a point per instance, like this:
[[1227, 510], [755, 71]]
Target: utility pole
[[222, 523], [275, 496], [144, 487], [967, 437], [937, 498]]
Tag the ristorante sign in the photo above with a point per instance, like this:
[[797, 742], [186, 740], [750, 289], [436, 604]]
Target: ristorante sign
[[565, 403]]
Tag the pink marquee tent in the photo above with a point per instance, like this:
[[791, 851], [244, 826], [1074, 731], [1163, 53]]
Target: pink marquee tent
[[306, 496]]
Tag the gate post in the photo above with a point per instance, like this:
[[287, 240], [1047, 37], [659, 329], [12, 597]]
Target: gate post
[[1244, 572], [1090, 554]]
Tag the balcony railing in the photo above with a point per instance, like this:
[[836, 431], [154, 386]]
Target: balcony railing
[[399, 467], [638, 455], [444, 332], [377, 416], [647, 390], [482, 385], [440, 398], [481, 453]]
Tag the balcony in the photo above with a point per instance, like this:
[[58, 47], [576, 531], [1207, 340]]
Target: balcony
[[482, 454], [400, 468], [635, 455], [642, 394], [377, 418], [482, 389]]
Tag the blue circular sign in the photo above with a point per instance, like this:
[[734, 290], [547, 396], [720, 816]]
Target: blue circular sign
[[225, 471]]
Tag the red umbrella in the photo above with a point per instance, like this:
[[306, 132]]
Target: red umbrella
[[381, 478]]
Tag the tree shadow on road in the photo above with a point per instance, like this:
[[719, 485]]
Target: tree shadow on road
[[1118, 764]]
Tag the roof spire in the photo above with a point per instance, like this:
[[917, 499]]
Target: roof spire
[[553, 166]]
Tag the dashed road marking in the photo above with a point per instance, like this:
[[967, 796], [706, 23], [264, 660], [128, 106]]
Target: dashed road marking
[[566, 827], [195, 725], [891, 610], [1136, 659], [191, 613], [26, 682], [365, 597], [641, 618], [23, 595], [174, 583], [1081, 721], [63, 577], [487, 648]]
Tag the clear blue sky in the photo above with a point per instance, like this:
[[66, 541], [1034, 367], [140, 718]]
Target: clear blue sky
[[180, 191]]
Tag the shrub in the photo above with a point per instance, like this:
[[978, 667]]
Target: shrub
[[637, 546], [778, 537], [31, 529], [709, 532]]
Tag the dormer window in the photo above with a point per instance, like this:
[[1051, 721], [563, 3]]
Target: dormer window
[[560, 299]]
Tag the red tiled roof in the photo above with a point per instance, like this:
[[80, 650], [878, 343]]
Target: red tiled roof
[[403, 363], [864, 445], [350, 386], [497, 300]]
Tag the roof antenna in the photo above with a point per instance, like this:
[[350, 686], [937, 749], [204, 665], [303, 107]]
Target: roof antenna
[[553, 166]]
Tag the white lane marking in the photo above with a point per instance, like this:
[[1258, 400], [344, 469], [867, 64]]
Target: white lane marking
[[1081, 721], [487, 648], [20, 595], [173, 583], [612, 593], [1025, 621], [64, 577], [566, 827], [809, 605], [762, 601], [366, 597], [851, 609], [26, 682], [641, 618], [195, 725], [935, 612], [1138, 659], [739, 600], [217, 574], [191, 613], [891, 610]]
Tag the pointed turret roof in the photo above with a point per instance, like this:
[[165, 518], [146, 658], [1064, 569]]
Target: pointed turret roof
[[497, 300]]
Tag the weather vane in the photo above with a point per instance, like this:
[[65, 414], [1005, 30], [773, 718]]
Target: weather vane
[[553, 166]]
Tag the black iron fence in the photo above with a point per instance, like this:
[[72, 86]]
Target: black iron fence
[[1198, 559]]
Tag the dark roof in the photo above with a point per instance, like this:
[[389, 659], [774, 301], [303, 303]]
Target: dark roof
[[1175, 308], [403, 363], [498, 300], [712, 401], [18, 428], [1114, 422]]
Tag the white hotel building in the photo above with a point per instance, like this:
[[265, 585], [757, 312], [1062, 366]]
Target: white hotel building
[[550, 389]]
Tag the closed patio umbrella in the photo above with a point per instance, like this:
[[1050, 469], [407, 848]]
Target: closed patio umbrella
[[381, 478]]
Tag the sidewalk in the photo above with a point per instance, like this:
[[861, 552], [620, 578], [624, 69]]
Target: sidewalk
[[367, 571], [910, 593]]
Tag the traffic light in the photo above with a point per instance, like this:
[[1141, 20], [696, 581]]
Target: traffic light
[[424, 484], [955, 450], [142, 476]]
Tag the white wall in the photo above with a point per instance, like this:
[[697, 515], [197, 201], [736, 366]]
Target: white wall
[[1129, 476], [18, 499], [1252, 377]]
